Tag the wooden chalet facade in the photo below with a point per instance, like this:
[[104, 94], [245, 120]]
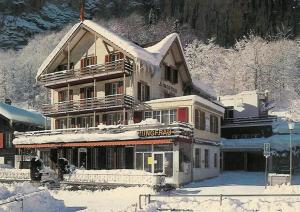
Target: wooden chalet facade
[[104, 87]]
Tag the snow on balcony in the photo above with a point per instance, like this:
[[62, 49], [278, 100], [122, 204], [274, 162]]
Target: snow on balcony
[[14, 174]]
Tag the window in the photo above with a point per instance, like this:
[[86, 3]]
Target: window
[[114, 88], [199, 120], [162, 116], [171, 75], [197, 162], [228, 112], [206, 158], [114, 57], [148, 114], [157, 115], [215, 160], [87, 92], [61, 123], [63, 95], [214, 124], [63, 67], [81, 122], [8, 140], [113, 118], [88, 61], [143, 92]]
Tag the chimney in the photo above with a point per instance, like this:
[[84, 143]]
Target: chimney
[[82, 10], [7, 101]]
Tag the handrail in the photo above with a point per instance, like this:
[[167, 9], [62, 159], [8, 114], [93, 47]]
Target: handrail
[[118, 65], [118, 100], [147, 197], [107, 127]]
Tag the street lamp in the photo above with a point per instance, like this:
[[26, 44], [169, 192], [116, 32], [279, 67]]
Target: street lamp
[[291, 127]]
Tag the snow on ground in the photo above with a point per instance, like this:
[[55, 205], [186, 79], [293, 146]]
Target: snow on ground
[[42, 201], [126, 199], [119, 199], [232, 183]]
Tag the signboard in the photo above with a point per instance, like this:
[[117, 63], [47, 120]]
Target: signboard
[[267, 149], [158, 132], [150, 160], [164, 132]]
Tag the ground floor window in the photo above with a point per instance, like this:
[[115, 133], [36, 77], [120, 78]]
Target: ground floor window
[[197, 161], [45, 156], [215, 160], [155, 159], [206, 158]]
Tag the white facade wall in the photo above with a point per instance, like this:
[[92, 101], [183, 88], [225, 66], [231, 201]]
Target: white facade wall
[[203, 172], [246, 104]]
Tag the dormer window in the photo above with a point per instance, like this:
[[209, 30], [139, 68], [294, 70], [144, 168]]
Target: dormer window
[[171, 75], [112, 57], [63, 67], [88, 61]]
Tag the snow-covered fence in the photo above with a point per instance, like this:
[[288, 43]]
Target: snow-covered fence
[[14, 174], [115, 177], [278, 179]]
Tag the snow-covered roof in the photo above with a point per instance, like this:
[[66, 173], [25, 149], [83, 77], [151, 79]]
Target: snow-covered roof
[[200, 85], [16, 114], [147, 56], [193, 98]]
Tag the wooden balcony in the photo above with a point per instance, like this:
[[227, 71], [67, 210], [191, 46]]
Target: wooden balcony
[[87, 74], [107, 103]]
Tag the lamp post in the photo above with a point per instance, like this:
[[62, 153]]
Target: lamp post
[[291, 127]]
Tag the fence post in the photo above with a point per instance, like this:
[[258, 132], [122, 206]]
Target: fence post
[[149, 198], [221, 198], [22, 204], [140, 201]]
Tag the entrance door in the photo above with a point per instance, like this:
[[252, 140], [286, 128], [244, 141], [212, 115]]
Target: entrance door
[[82, 158], [158, 163]]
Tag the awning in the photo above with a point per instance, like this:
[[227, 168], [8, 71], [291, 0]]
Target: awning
[[97, 143]]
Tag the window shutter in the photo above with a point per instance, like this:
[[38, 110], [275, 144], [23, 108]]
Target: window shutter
[[211, 124], [106, 58], [139, 91], [70, 95], [81, 93], [56, 124], [95, 60], [197, 121], [175, 76], [182, 114], [120, 88], [121, 55], [147, 92], [137, 116], [59, 96], [81, 63], [1, 140], [107, 89]]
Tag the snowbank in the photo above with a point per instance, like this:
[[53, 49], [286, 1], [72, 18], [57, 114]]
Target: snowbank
[[14, 174], [74, 137], [41, 200], [120, 176]]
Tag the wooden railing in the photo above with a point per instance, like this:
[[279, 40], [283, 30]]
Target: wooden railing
[[92, 70], [107, 102]]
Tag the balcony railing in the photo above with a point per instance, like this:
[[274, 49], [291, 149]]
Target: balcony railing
[[121, 66], [249, 120], [99, 104]]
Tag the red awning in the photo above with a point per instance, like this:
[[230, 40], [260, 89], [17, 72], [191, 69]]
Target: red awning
[[96, 143]]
